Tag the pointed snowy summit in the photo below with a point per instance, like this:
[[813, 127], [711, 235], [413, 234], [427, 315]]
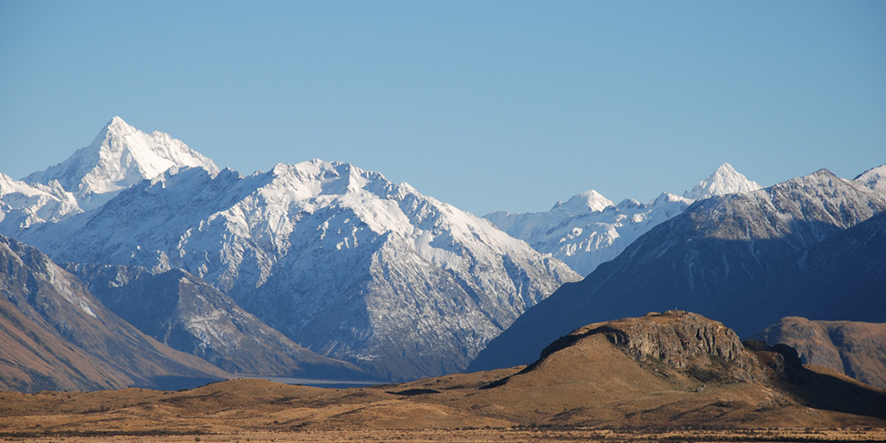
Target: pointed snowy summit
[[725, 180], [119, 157], [874, 179], [588, 201]]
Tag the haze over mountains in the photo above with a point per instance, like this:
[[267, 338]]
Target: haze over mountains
[[324, 270]]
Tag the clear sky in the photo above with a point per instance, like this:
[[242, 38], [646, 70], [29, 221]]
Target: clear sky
[[486, 105]]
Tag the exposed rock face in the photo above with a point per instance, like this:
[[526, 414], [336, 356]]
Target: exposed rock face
[[678, 339], [856, 349]]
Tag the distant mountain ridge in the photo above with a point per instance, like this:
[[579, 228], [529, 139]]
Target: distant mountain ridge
[[875, 179], [725, 180], [119, 157], [721, 258], [23, 205], [355, 267], [588, 229]]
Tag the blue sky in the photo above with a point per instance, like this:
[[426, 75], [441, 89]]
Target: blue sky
[[486, 105]]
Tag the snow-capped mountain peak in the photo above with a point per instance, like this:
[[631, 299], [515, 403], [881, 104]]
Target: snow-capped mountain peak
[[725, 180], [119, 157], [874, 179], [23, 205], [588, 201]]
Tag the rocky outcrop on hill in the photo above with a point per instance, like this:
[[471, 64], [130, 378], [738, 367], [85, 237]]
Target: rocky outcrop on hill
[[678, 340], [675, 368], [658, 372]]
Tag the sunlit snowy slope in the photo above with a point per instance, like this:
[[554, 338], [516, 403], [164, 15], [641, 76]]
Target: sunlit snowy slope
[[119, 157]]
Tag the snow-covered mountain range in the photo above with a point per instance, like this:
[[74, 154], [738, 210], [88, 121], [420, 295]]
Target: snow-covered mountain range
[[875, 179], [119, 157], [23, 205], [589, 229], [339, 259]]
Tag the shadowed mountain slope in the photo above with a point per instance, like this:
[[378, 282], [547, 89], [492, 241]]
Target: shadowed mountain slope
[[184, 312], [857, 349], [55, 335]]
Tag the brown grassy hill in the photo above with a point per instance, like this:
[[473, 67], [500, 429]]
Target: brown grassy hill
[[657, 372], [671, 369], [856, 349]]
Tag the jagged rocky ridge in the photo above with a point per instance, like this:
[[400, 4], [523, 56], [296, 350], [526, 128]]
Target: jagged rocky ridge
[[24, 205], [119, 157], [55, 335], [187, 314], [589, 229], [712, 259]]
